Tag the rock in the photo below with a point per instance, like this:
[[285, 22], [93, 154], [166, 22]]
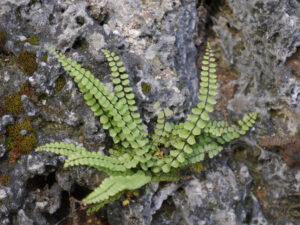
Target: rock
[[7, 120], [23, 219], [30, 109], [35, 165], [257, 217], [3, 194], [51, 201], [2, 149], [263, 55], [159, 44]]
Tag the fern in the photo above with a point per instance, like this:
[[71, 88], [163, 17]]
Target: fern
[[137, 159]]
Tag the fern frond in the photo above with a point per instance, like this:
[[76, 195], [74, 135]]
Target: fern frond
[[105, 104], [199, 117], [172, 176], [114, 185], [163, 130], [114, 173], [122, 89], [217, 128], [62, 148], [235, 131], [202, 148], [135, 160], [98, 206], [95, 159]]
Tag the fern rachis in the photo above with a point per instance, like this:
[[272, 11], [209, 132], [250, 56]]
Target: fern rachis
[[136, 159]]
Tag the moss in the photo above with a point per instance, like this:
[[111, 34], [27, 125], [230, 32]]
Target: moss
[[44, 57], [19, 144], [136, 193], [197, 167], [41, 96], [80, 20], [1, 138], [2, 39], [17, 127], [180, 86], [9, 142], [13, 104], [146, 88], [4, 179], [60, 83], [33, 40], [136, 79], [27, 62]]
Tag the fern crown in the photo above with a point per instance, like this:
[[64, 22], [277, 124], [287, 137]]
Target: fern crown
[[137, 159]]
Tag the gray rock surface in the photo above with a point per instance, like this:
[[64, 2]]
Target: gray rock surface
[[159, 42]]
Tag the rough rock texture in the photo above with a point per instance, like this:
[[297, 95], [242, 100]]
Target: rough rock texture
[[160, 42], [257, 39]]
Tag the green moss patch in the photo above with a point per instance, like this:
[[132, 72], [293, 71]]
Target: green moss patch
[[27, 62], [19, 144], [13, 104], [145, 88], [33, 40], [197, 168], [180, 86], [60, 83], [44, 57]]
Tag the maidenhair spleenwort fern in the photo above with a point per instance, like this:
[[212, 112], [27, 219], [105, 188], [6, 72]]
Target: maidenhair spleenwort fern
[[136, 158]]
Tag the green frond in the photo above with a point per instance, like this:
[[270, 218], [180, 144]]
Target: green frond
[[163, 130], [199, 117], [123, 91], [135, 159], [98, 206], [62, 148], [218, 128], [235, 131], [94, 159], [201, 149], [113, 185], [247, 122], [113, 112], [172, 176], [113, 172]]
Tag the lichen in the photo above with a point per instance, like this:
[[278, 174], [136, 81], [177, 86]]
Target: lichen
[[145, 88], [19, 144], [27, 62], [60, 83], [33, 40]]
